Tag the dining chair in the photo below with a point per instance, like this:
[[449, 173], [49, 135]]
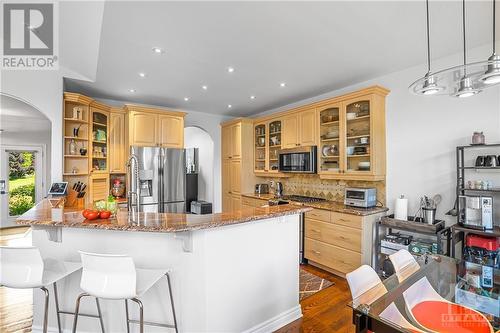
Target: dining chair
[[423, 302], [366, 287], [115, 277], [24, 268]]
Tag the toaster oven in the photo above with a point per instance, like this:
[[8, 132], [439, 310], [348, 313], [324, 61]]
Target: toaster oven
[[360, 197]]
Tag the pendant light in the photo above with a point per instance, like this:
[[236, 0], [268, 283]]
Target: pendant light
[[465, 86], [429, 86], [492, 75]]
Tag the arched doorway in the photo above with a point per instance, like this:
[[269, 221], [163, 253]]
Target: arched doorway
[[25, 141], [195, 137]]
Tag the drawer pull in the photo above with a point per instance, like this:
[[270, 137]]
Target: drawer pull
[[316, 230], [316, 252], [342, 237], [343, 220]]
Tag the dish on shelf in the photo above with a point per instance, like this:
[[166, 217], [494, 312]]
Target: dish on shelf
[[328, 118], [350, 150], [364, 166], [274, 140], [351, 115], [329, 150], [334, 134]]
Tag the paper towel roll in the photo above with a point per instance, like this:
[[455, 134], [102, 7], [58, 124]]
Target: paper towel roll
[[401, 209]]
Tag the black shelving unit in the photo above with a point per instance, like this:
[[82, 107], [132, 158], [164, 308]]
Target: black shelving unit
[[459, 231]]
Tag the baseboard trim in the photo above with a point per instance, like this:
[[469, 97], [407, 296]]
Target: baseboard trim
[[277, 321]]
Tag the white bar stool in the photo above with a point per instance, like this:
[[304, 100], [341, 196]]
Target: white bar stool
[[115, 277], [24, 268]]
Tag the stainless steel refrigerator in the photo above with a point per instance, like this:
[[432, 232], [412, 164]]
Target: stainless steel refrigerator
[[162, 179]]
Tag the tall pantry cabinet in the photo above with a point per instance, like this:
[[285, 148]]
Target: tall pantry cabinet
[[237, 162]]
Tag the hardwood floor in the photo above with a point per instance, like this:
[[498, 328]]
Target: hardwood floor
[[325, 311]]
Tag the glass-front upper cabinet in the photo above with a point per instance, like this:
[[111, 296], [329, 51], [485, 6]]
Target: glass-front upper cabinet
[[358, 131], [329, 148], [260, 147], [99, 141], [274, 144]]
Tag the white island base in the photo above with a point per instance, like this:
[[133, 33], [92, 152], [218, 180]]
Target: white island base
[[236, 278]]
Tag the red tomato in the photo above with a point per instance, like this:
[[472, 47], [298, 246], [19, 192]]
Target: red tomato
[[92, 215], [105, 214], [86, 212]]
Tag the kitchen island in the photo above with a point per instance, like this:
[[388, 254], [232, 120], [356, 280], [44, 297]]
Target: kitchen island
[[231, 272]]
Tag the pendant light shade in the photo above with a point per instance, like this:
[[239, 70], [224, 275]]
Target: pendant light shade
[[492, 74], [429, 87], [465, 88]]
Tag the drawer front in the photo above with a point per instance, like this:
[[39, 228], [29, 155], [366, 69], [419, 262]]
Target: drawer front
[[338, 235], [243, 206], [260, 202], [247, 201], [339, 259], [347, 220], [319, 214]]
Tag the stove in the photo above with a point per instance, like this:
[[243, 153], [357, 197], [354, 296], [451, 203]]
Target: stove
[[302, 199]]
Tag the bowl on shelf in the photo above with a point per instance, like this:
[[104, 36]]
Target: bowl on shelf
[[351, 115], [350, 150], [364, 166], [329, 150], [331, 134]]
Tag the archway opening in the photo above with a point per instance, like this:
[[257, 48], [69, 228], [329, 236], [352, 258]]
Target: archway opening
[[195, 137], [25, 141]]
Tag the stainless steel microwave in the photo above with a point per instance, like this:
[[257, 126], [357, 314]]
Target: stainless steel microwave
[[299, 160]]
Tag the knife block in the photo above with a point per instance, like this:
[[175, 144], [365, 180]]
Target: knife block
[[72, 200]]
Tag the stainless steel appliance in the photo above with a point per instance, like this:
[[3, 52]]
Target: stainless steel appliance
[[261, 188], [475, 211], [360, 197], [201, 207], [278, 191], [162, 180], [298, 160]]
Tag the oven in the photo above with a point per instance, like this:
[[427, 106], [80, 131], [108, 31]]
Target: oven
[[298, 160]]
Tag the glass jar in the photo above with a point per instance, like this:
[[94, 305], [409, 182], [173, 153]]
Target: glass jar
[[72, 147]]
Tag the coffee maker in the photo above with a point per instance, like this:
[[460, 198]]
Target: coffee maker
[[476, 211]]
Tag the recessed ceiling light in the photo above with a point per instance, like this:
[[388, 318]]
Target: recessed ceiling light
[[186, 99], [157, 50], [283, 84], [252, 97], [142, 74], [204, 87], [230, 69], [131, 90], [229, 106]]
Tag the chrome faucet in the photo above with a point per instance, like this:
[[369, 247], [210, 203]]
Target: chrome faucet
[[133, 168]]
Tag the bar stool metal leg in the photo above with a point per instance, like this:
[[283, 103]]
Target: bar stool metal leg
[[126, 313], [58, 312], [141, 314], [46, 309], [77, 309], [171, 300], [100, 314]]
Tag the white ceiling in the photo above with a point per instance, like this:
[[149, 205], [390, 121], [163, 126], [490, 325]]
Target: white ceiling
[[314, 47], [19, 117]]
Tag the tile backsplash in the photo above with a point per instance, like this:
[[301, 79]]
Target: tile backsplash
[[313, 186]]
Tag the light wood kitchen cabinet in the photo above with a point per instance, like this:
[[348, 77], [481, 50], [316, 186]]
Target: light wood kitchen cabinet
[[99, 137], [155, 127], [290, 135], [117, 143], [338, 242], [307, 128], [143, 128], [299, 129], [237, 162], [171, 131], [98, 187]]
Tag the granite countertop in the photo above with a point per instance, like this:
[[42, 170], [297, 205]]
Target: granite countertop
[[333, 206], [43, 215]]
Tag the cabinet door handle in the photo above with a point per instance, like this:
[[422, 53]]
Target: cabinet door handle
[[342, 237]]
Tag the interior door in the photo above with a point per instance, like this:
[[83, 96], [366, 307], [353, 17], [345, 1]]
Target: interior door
[[21, 181]]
